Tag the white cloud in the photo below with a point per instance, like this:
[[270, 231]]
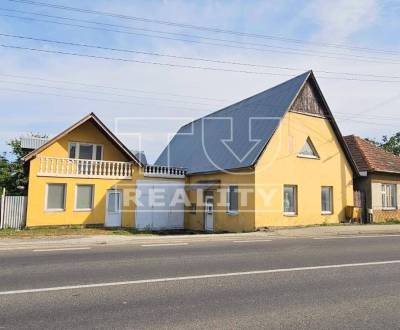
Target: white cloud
[[339, 19]]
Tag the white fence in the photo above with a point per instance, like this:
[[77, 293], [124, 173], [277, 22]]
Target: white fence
[[12, 212]]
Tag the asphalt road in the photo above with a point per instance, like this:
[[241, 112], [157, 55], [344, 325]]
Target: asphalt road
[[303, 283]]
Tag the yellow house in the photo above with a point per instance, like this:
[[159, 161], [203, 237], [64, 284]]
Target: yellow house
[[86, 176], [274, 159]]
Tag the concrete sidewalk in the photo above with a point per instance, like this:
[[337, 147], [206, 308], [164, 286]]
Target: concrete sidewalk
[[321, 231]]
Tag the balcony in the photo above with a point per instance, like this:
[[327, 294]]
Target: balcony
[[84, 168], [164, 172]]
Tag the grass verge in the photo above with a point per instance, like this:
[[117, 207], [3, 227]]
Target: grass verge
[[68, 231]]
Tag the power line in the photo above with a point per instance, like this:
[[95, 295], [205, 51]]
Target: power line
[[170, 33], [180, 65], [124, 102], [197, 27], [89, 98], [101, 93], [139, 61], [110, 87], [337, 113], [286, 52], [189, 58]]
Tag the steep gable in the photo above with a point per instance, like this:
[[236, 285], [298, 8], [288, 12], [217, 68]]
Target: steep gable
[[235, 136], [93, 121], [308, 101]]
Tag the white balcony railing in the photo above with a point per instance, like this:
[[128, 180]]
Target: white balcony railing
[[84, 168], [164, 172]]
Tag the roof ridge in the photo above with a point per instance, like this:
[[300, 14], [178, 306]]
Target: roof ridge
[[247, 98]]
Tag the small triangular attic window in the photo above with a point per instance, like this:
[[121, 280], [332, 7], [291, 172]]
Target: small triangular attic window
[[308, 150]]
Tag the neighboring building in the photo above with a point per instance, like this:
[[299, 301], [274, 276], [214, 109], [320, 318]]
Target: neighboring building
[[379, 180], [30, 143], [274, 159], [86, 176]]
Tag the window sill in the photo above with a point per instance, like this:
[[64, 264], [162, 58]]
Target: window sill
[[83, 210], [389, 209], [326, 213], [54, 210], [232, 213], [289, 214], [308, 157]]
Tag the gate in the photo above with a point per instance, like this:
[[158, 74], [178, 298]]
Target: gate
[[12, 212]]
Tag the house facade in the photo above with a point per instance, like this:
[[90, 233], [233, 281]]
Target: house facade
[[86, 176], [274, 159], [379, 180]]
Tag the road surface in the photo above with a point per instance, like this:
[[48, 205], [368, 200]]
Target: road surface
[[273, 283]]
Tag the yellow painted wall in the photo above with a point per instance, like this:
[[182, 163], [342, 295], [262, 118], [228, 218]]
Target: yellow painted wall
[[243, 221], [280, 165], [36, 214]]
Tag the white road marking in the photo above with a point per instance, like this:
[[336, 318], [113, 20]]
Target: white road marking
[[356, 236], [164, 244], [197, 277], [253, 241], [62, 249], [14, 248]]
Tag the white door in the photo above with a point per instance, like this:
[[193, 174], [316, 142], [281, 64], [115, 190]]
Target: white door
[[157, 205], [113, 208], [209, 213]]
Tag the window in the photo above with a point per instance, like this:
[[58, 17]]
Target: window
[[85, 151], [72, 150], [84, 197], [326, 200], [389, 196], [232, 199], [308, 150], [55, 199], [290, 200]]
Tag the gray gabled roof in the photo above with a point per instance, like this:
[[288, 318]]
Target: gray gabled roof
[[234, 137]]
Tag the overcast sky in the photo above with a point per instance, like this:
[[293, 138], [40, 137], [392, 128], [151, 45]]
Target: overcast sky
[[46, 92]]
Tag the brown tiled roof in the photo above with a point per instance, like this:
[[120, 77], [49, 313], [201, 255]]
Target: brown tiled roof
[[369, 157]]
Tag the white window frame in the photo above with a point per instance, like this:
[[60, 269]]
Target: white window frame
[[228, 200], [312, 146], [47, 194], [77, 149], [76, 209], [295, 199], [384, 193], [331, 201]]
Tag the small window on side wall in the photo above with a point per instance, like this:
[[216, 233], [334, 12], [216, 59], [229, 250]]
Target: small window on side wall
[[289, 200], [389, 196], [55, 199], [326, 200], [233, 200]]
